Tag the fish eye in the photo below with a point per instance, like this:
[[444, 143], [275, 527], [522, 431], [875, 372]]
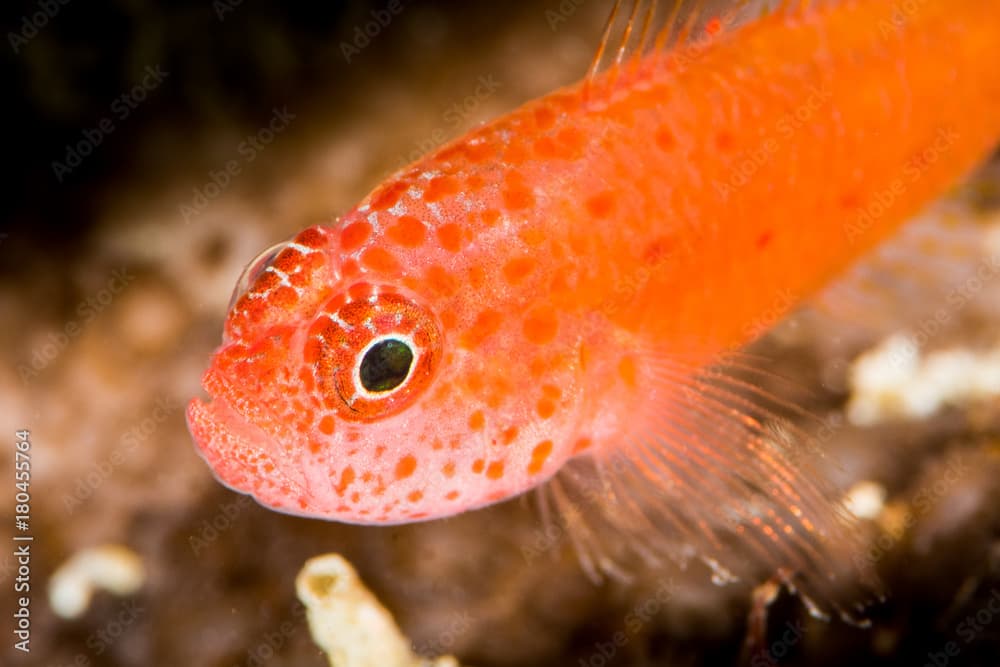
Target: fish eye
[[373, 351], [385, 365], [253, 270]]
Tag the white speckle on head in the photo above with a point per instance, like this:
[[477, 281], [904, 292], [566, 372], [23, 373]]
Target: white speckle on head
[[282, 276], [304, 249], [284, 281]]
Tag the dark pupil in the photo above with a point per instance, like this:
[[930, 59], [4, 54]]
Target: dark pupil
[[385, 365]]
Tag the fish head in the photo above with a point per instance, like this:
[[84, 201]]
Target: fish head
[[380, 394]]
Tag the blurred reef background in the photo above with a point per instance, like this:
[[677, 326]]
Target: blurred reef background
[[154, 148]]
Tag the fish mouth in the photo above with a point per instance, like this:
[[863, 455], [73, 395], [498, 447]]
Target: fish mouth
[[237, 450]]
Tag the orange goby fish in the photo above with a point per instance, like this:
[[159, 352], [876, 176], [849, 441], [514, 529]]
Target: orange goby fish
[[563, 290]]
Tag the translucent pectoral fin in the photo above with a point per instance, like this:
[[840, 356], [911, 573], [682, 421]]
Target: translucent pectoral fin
[[709, 470]]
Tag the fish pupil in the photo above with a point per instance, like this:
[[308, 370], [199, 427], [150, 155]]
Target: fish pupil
[[386, 365]]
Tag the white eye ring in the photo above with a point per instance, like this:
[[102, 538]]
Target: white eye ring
[[359, 387]]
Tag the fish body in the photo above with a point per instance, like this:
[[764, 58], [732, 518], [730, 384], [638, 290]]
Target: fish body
[[553, 285]]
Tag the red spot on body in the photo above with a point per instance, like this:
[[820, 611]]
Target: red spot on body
[[518, 269], [439, 188], [308, 383], [451, 495], [346, 478], [540, 326], [478, 465], [407, 232], [544, 118], [601, 204], [665, 139], [714, 26], [725, 141], [456, 152], [850, 201], [476, 421], [354, 235], [658, 250], [479, 151], [582, 444], [312, 350], [539, 455], [405, 467], [764, 239], [288, 260], [486, 323], [311, 238], [265, 282], [545, 408], [360, 291], [474, 382], [350, 268], [326, 425], [517, 197], [379, 259], [495, 470], [490, 217], [414, 496], [284, 297], [440, 280], [533, 236], [448, 469], [450, 237], [388, 196]]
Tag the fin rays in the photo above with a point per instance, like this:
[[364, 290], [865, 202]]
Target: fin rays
[[635, 28], [705, 476]]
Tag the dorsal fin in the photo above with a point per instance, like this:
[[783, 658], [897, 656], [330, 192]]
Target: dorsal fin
[[637, 27]]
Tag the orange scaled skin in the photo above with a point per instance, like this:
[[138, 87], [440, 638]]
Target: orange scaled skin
[[672, 207]]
